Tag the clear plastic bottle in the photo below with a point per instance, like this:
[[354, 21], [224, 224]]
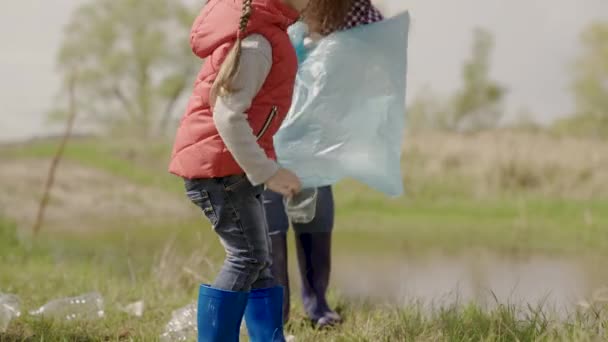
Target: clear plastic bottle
[[134, 309], [182, 326], [86, 307], [9, 310], [302, 207]]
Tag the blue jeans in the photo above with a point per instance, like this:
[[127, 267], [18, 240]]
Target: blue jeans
[[236, 211], [278, 221]]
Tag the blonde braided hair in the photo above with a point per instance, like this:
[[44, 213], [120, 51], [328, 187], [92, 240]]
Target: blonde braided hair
[[223, 82]]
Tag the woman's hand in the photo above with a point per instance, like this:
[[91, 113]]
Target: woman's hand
[[284, 182]]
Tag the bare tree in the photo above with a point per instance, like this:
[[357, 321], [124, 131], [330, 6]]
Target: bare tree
[[133, 59], [478, 104], [50, 179]]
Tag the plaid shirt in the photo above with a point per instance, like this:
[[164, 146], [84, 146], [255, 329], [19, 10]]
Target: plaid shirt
[[361, 13]]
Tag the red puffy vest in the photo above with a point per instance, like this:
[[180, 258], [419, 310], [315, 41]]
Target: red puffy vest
[[199, 151]]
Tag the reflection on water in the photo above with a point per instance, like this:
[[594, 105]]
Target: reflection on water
[[556, 282]]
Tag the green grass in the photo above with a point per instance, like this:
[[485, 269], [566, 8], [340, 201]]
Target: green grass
[[129, 269], [122, 269], [412, 225]]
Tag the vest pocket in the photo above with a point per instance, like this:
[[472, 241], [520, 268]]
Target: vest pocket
[[268, 122]]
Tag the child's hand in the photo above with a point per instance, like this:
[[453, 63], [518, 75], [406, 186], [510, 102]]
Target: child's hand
[[284, 182]]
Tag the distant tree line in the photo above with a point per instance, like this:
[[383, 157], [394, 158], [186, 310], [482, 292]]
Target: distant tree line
[[131, 68]]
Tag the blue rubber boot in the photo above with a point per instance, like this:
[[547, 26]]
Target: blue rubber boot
[[220, 314], [264, 315]]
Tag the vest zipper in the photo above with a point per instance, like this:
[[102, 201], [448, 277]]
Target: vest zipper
[[273, 113]]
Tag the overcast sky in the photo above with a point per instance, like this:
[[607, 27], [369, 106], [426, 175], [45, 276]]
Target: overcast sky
[[536, 41]]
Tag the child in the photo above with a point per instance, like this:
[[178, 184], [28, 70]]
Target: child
[[224, 152], [313, 240]]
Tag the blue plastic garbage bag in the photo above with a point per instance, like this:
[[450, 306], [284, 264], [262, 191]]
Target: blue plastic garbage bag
[[297, 34], [348, 114]]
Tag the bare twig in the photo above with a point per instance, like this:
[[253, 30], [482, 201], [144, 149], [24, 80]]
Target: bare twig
[[124, 102], [164, 122], [162, 127], [50, 180]]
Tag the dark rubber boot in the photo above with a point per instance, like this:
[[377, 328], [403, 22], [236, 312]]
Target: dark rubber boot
[[280, 268], [314, 259]]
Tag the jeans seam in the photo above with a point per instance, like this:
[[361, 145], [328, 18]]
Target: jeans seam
[[239, 223], [207, 203]]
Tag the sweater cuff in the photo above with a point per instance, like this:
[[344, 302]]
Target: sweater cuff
[[262, 174]]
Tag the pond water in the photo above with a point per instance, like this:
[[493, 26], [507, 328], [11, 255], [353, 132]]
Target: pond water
[[560, 284]]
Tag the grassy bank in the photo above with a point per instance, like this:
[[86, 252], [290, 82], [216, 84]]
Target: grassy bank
[[505, 191], [491, 164]]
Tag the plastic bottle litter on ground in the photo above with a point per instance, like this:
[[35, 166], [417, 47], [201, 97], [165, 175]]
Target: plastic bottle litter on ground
[[134, 309], [182, 326], [9, 310], [302, 207], [85, 307]]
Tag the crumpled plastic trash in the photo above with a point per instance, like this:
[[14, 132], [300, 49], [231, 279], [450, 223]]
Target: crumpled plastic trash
[[134, 309], [348, 114], [9, 310], [89, 306], [182, 326]]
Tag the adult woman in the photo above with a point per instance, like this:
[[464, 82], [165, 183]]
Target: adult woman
[[313, 240]]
